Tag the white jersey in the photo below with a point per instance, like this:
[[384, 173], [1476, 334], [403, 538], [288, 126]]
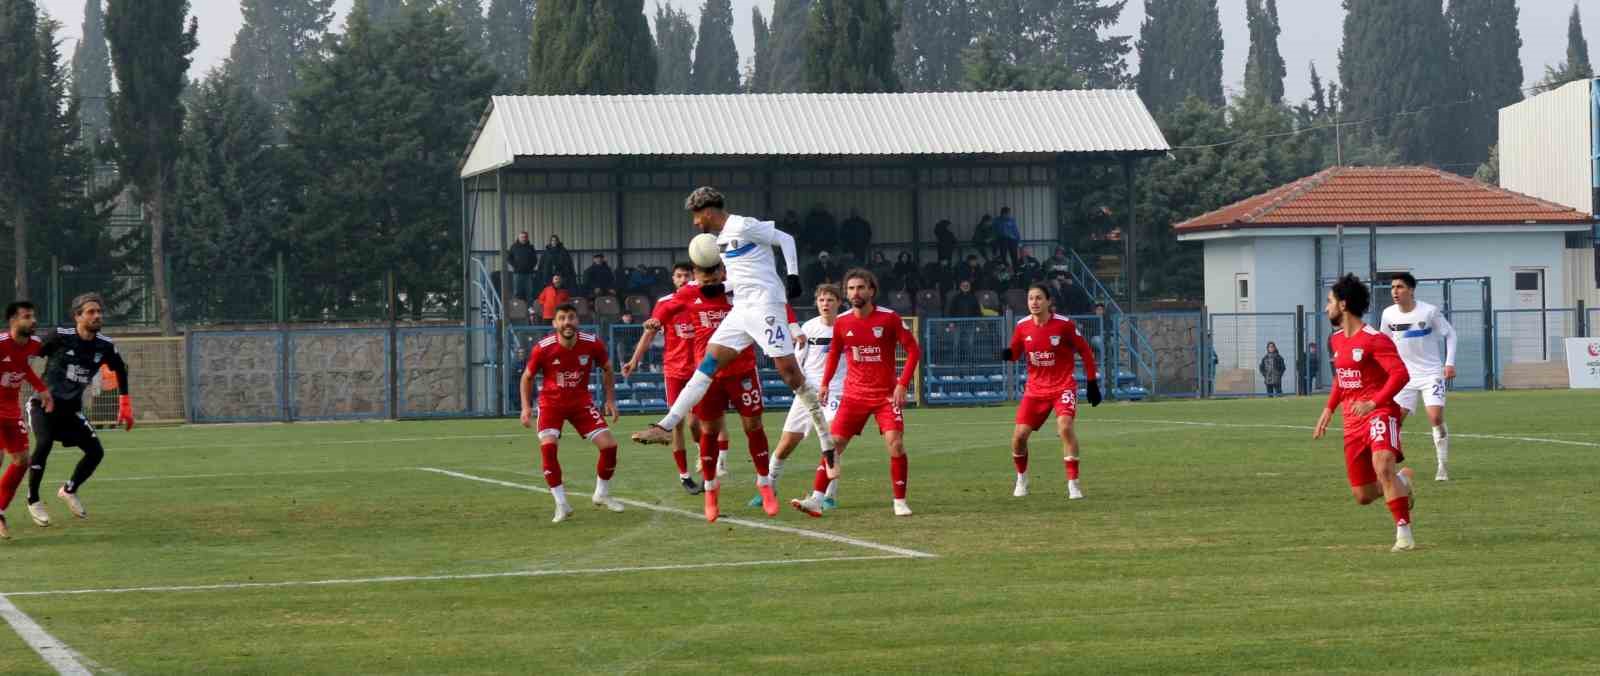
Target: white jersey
[[1423, 337], [814, 355], [746, 245]]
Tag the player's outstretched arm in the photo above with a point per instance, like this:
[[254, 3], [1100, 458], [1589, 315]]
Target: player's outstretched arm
[[908, 342], [651, 326]]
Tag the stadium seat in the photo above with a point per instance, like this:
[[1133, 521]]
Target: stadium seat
[[607, 307], [585, 310], [989, 300], [928, 303], [1017, 300], [517, 311], [639, 306], [901, 302]]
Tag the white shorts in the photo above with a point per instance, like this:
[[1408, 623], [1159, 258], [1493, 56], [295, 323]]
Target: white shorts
[[799, 420], [763, 325], [1430, 389]]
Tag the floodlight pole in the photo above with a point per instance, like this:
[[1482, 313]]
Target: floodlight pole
[[1131, 273]]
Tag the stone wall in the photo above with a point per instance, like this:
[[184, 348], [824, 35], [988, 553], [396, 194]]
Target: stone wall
[[433, 374], [340, 374], [1175, 338], [237, 376]]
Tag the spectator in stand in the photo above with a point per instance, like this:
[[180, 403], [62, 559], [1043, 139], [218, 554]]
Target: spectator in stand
[[1058, 262], [1272, 368], [627, 318], [556, 260], [552, 297], [1008, 237], [821, 228], [524, 260], [905, 269], [998, 275], [1028, 270], [599, 280], [1097, 332], [880, 266], [983, 236], [938, 277], [803, 239], [824, 271], [1073, 299], [947, 242], [855, 233], [1311, 368], [964, 304], [971, 272]]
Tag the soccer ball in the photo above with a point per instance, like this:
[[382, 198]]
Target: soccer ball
[[703, 250]]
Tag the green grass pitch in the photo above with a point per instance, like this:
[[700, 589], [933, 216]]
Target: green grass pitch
[[1232, 548]]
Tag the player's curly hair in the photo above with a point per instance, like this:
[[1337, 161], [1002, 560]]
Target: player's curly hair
[[703, 197], [862, 273], [84, 299], [1353, 292]]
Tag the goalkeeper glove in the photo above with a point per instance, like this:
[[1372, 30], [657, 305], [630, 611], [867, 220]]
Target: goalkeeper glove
[[1094, 392], [125, 411], [1006, 355], [791, 284]]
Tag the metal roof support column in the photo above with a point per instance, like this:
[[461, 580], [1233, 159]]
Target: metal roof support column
[[621, 179], [916, 216], [1131, 273], [500, 328]]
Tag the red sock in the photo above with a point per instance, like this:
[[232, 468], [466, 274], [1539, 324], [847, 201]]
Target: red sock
[[758, 450], [897, 472], [1021, 461], [607, 465], [682, 458], [821, 483], [708, 457], [552, 466], [9, 482], [1401, 509], [1072, 469]]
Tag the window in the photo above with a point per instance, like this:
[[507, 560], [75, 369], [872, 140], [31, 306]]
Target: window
[[1244, 289], [1527, 281]]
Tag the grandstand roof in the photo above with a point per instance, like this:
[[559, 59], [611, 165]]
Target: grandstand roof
[[816, 125], [1385, 196]]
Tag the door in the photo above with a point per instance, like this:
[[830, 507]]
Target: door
[[1528, 331]]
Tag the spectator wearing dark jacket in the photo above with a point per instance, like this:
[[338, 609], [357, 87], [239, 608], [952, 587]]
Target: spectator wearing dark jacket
[[905, 268], [824, 271], [821, 228], [855, 234], [1073, 299], [1058, 262], [1028, 270], [880, 266], [971, 272], [1272, 368], [963, 303], [524, 261], [599, 279], [947, 242], [556, 260], [983, 236]]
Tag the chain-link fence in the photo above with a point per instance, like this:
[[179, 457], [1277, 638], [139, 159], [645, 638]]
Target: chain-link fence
[[1530, 350], [961, 364], [1250, 354]]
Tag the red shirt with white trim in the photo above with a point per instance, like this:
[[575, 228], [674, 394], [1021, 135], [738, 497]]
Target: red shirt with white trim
[[1366, 366], [706, 314], [566, 369], [870, 343], [14, 371], [678, 357], [1048, 349]]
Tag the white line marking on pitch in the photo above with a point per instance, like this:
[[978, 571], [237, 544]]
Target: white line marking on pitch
[[432, 578], [55, 653], [820, 535], [339, 442], [302, 472], [1464, 435]]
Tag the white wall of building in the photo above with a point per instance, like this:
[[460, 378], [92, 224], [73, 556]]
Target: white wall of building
[[1545, 146]]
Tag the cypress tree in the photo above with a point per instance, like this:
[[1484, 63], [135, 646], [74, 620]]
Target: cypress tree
[[71, 220], [674, 50], [277, 36], [591, 47], [1485, 43], [150, 48], [91, 72], [508, 34], [760, 79], [1180, 53], [1390, 63], [1577, 48], [467, 15], [850, 47], [986, 68], [1264, 71], [716, 58], [790, 19], [24, 120], [931, 42]]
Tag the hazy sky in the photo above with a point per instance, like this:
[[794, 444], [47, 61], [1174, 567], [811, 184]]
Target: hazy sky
[[1311, 32]]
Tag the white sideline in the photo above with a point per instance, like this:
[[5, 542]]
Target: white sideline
[[1308, 428], [820, 535], [431, 578], [58, 655]]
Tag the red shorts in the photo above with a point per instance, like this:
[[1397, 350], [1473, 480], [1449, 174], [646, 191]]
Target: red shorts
[[1033, 410], [674, 386], [1379, 432], [586, 420], [743, 392], [13, 435], [853, 414]]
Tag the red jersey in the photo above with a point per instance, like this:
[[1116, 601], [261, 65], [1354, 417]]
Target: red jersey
[[1366, 366], [706, 315], [870, 343], [14, 371], [566, 369], [1048, 349], [678, 358]]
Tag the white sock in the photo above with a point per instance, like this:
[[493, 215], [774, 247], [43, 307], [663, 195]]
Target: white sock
[[1402, 531], [560, 494], [1021, 477], [816, 496], [774, 469], [683, 475], [1441, 444], [692, 394], [808, 398], [602, 487], [833, 489], [722, 459]]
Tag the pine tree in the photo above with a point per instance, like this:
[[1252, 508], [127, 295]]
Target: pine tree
[[275, 38], [150, 48], [1319, 98], [24, 119], [760, 78], [716, 58], [790, 22], [1059, 41], [91, 72], [987, 69], [384, 183], [1264, 71], [1577, 65], [674, 50], [850, 47], [1180, 53], [591, 47], [1484, 43], [509, 34], [931, 42], [468, 17], [72, 219], [380, 12], [1390, 63]]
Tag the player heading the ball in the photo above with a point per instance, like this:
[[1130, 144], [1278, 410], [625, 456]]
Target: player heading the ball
[[760, 311]]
